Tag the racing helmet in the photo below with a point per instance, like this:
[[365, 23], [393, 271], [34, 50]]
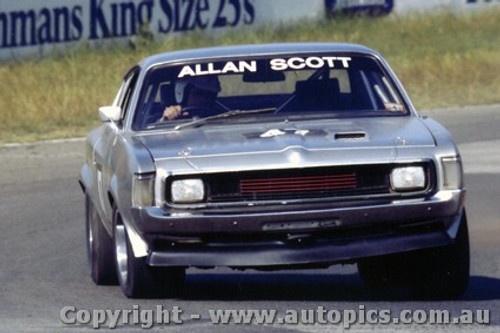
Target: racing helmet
[[206, 83]]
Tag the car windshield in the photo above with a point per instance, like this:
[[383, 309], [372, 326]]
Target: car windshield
[[302, 86]]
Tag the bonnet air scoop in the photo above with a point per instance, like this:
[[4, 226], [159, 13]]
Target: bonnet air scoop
[[350, 136]]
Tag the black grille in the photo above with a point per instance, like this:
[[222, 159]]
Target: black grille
[[344, 183], [308, 183]]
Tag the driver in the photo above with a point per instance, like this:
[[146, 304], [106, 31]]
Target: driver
[[196, 92]]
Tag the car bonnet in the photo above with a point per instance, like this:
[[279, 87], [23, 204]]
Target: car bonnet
[[273, 145]]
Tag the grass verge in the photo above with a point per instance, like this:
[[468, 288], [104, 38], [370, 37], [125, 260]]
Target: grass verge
[[443, 60]]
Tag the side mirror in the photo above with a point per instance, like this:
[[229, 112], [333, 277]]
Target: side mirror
[[110, 113]]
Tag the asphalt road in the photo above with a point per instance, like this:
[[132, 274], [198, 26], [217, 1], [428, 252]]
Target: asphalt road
[[43, 265]]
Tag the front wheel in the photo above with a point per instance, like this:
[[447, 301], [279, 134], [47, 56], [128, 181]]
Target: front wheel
[[137, 279], [99, 247], [443, 273], [437, 273]]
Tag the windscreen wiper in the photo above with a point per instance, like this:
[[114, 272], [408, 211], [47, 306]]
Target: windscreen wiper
[[227, 114]]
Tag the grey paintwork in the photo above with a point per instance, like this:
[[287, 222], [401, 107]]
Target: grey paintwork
[[114, 153]]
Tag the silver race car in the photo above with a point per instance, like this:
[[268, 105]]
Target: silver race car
[[278, 156]]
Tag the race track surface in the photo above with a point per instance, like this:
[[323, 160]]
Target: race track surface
[[43, 266]]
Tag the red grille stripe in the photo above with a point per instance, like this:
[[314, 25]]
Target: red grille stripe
[[297, 184]]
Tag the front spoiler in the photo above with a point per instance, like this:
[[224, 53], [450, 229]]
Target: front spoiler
[[317, 253], [303, 255]]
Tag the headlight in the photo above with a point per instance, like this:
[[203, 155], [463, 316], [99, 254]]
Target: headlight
[[187, 191], [452, 173], [143, 190], [408, 178]]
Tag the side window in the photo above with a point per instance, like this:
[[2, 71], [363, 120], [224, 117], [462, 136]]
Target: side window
[[155, 98], [126, 91]]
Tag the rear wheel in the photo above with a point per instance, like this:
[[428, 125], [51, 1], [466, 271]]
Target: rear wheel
[[100, 253], [137, 279], [437, 273]]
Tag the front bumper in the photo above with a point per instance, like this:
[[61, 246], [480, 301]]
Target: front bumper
[[298, 237]]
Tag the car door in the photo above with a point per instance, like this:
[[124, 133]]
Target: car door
[[104, 148]]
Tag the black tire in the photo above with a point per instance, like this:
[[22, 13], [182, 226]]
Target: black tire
[[437, 273], [443, 273], [383, 271], [100, 252], [137, 279]]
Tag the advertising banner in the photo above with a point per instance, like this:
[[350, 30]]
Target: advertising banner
[[33, 27]]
